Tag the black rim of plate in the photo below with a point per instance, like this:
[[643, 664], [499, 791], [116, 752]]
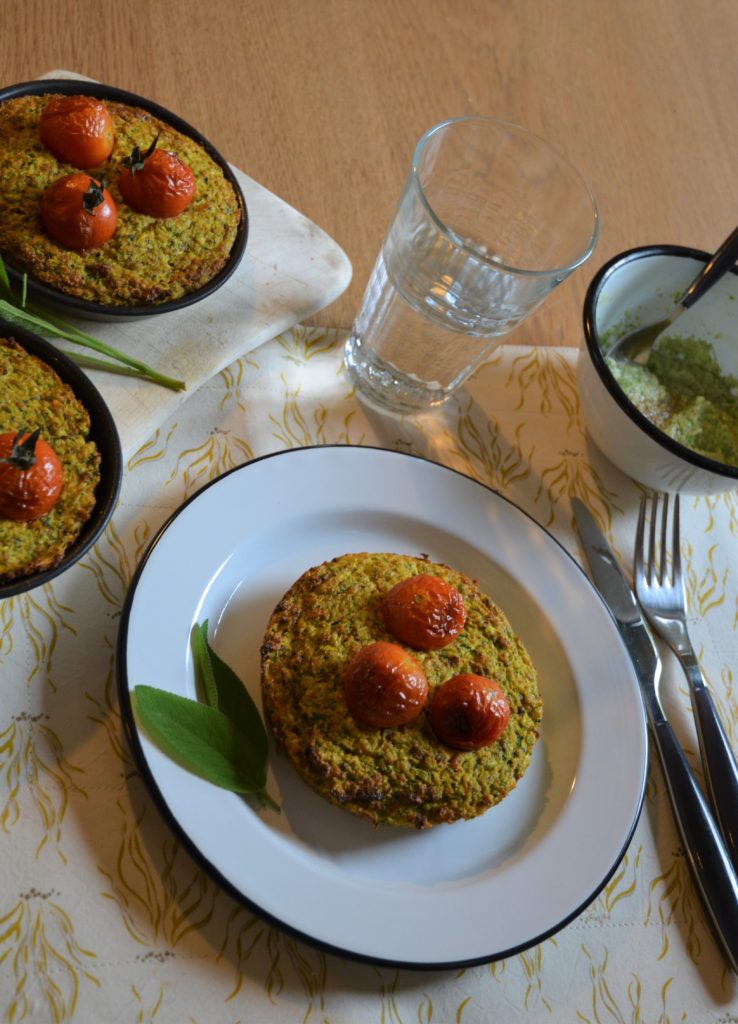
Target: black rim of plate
[[105, 435], [597, 356], [137, 749], [46, 294]]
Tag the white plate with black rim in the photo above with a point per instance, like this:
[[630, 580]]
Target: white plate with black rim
[[452, 895]]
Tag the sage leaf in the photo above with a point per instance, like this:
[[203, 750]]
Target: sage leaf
[[220, 737], [200, 738], [235, 701], [204, 678]]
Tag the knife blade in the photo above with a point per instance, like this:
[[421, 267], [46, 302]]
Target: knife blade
[[706, 854]]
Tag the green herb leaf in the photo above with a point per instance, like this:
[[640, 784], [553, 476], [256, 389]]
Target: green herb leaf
[[200, 738], [204, 678], [222, 740], [48, 325], [234, 700]]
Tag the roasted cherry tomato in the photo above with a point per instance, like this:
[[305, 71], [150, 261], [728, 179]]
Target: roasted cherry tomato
[[79, 212], [468, 712], [156, 182], [384, 686], [31, 476], [78, 130], [424, 612]]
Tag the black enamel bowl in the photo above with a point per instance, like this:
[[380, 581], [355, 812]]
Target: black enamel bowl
[[70, 305], [105, 435]]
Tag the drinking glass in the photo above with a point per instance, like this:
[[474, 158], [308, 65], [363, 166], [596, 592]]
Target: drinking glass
[[491, 219]]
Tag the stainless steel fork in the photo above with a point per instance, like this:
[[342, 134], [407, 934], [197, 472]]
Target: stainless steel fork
[[660, 592]]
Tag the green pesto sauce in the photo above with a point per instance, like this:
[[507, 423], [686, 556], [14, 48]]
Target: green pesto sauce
[[683, 391]]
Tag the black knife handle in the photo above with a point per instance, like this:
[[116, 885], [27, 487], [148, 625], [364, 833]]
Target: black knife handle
[[707, 856]]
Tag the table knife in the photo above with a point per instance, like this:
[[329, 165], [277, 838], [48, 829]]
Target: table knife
[[706, 853]]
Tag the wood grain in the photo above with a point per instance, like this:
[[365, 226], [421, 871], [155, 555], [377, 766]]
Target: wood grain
[[322, 101]]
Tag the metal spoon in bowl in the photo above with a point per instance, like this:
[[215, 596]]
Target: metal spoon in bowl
[[636, 346]]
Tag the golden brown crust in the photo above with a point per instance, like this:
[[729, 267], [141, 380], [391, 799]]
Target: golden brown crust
[[405, 775], [148, 260]]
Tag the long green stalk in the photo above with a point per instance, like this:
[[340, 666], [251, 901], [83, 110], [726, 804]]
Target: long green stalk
[[49, 324], [92, 363], [28, 315]]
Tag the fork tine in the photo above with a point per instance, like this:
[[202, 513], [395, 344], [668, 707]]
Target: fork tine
[[663, 559], [676, 555], [652, 538], [639, 545]]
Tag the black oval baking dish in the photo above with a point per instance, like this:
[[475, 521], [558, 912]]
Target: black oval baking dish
[[70, 305]]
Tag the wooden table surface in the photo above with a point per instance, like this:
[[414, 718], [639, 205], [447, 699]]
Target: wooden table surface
[[321, 101]]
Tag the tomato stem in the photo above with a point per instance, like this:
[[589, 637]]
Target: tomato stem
[[95, 194], [23, 453], [137, 159]]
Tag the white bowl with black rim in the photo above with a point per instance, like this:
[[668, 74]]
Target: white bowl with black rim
[[634, 289]]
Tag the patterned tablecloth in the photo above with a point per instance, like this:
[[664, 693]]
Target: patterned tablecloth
[[104, 917]]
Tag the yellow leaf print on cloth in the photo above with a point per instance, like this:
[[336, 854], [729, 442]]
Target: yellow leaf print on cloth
[[298, 428], [248, 938], [40, 618], [550, 376], [532, 964], [232, 379], [161, 900], [718, 505], [6, 628], [727, 706], [32, 764], [529, 971], [301, 346], [621, 886], [671, 896], [105, 713], [704, 585], [488, 455], [220, 452], [39, 951], [620, 1004], [390, 1012], [572, 475], [154, 450], [112, 567], [146, 1010]]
